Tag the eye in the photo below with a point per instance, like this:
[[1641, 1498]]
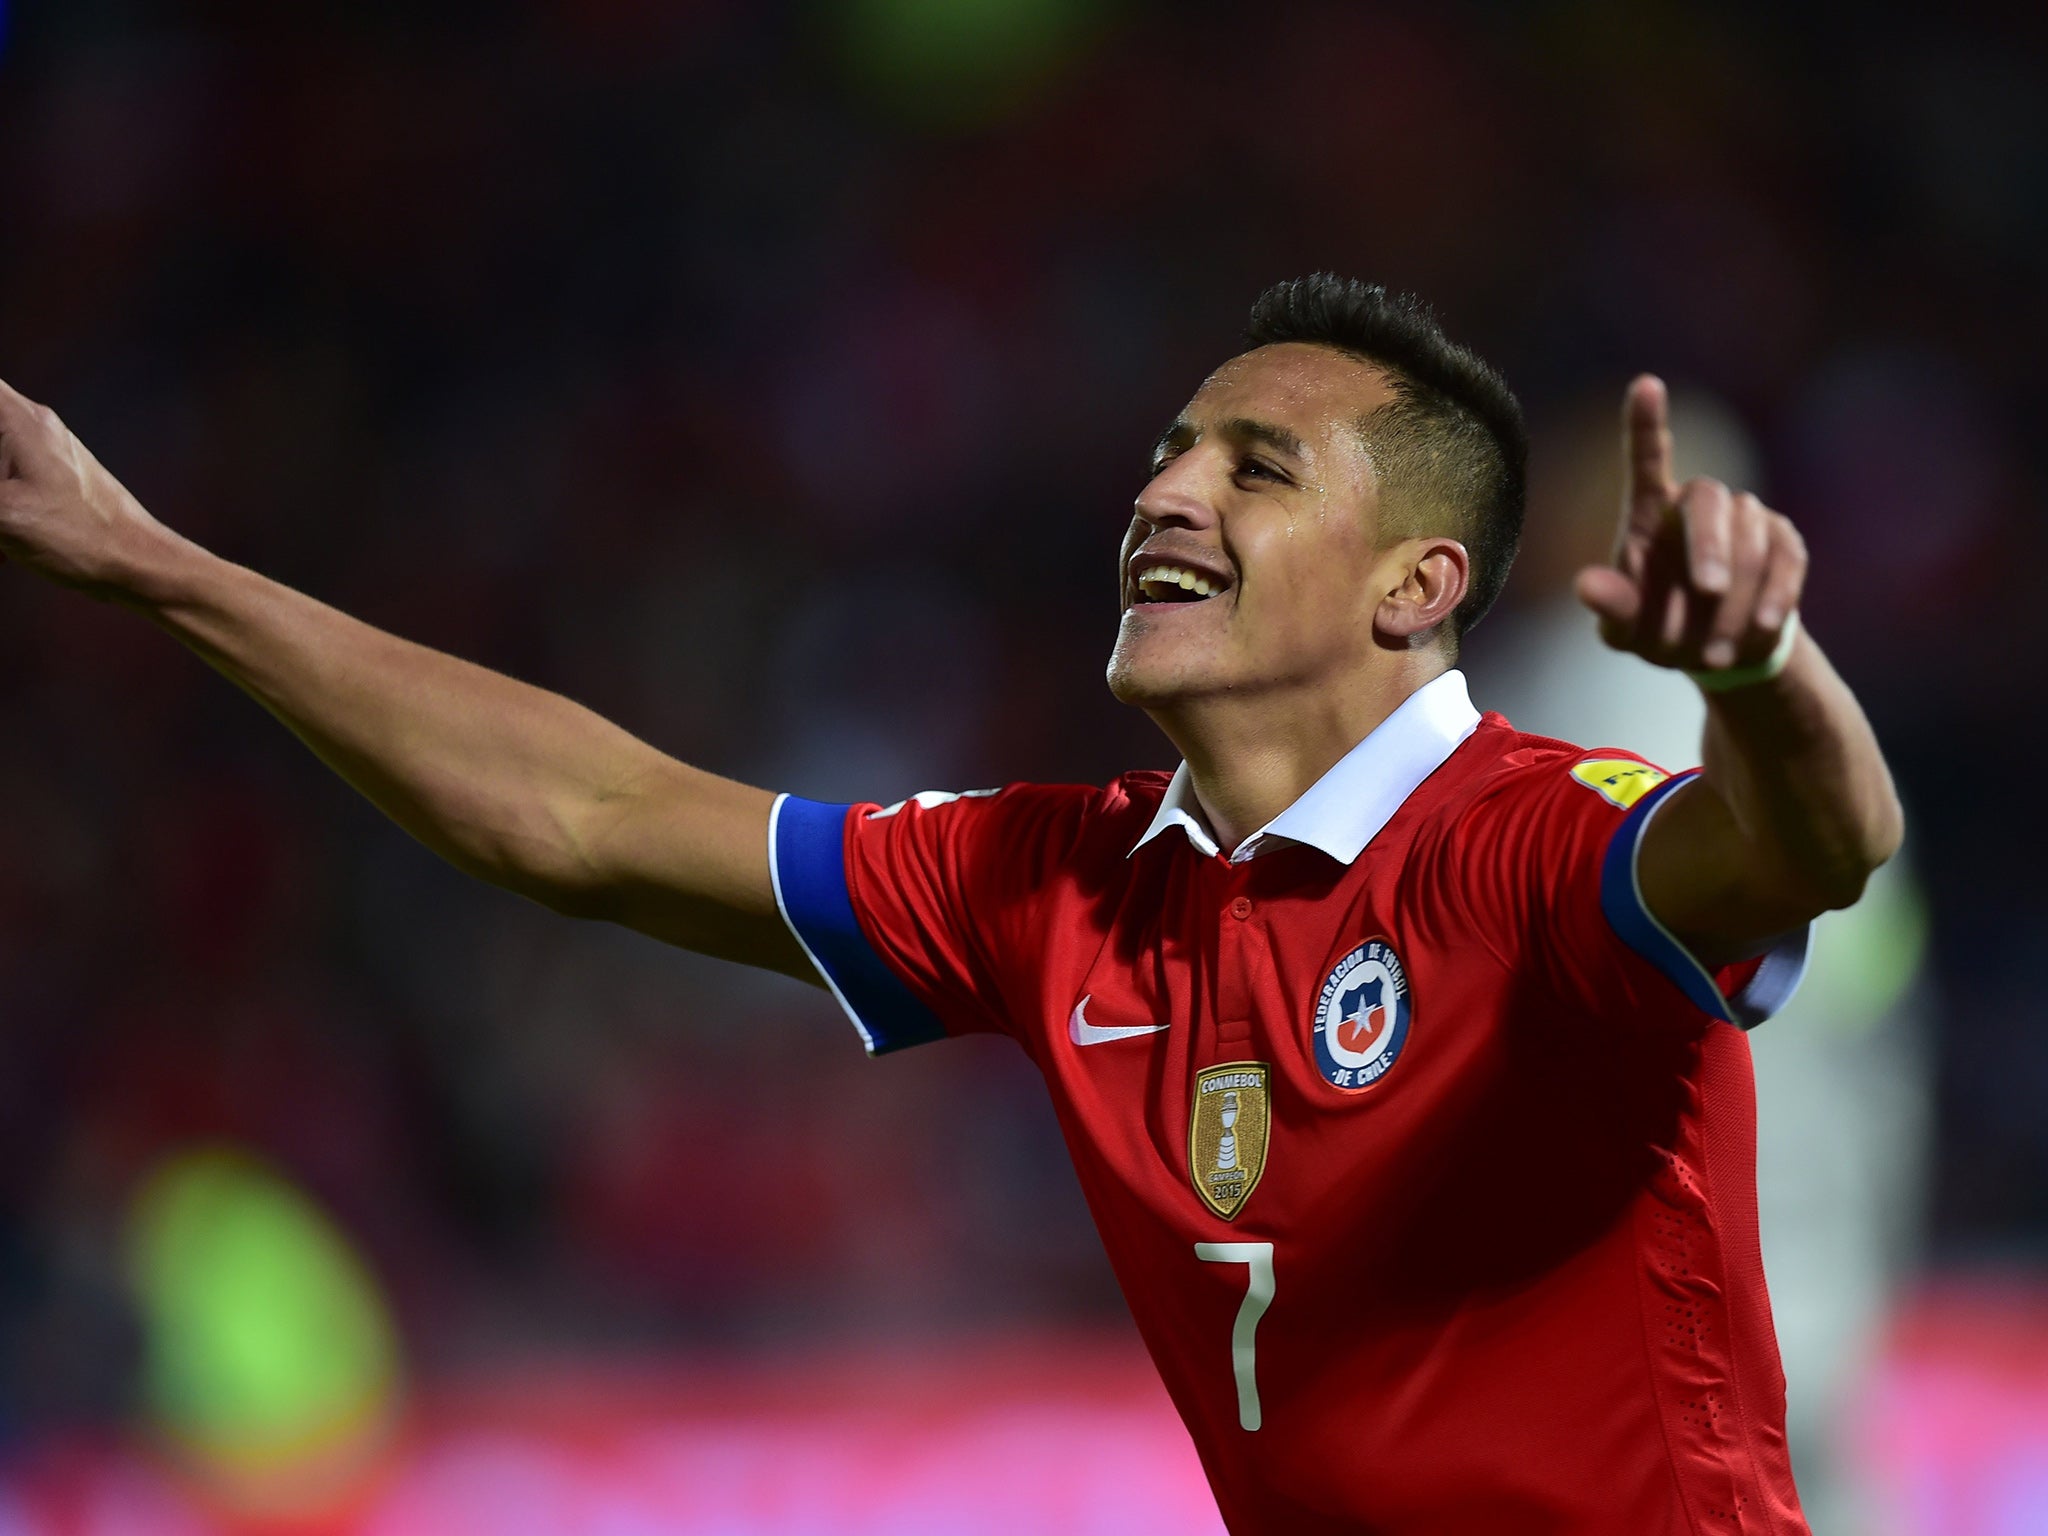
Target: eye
[[1259, 469]]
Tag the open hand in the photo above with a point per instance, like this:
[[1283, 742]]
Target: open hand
[[61, 513], [1702, 578]]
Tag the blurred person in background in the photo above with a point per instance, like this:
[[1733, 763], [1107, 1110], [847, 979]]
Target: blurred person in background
[[1843, 1081], [1565, 938]]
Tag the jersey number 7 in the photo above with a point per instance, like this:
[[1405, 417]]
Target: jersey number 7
[[1257, 1259]]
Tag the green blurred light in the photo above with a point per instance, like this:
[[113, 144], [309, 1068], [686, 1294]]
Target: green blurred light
[[959, 61], [1865, 959], [267, 1338]]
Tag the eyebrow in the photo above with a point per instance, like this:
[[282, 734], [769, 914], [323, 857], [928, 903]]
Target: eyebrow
[[1242, 429]]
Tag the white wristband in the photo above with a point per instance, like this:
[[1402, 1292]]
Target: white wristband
[[1742, 677]]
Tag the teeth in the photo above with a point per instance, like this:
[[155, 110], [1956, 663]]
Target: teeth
[[1163, 576]]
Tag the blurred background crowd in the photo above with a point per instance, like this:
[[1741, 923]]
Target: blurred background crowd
[[775, 378]]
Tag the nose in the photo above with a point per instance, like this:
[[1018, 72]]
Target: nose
[[1179, 496]]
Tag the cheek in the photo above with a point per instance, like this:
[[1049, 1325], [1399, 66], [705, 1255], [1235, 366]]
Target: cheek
[[1314, 574]]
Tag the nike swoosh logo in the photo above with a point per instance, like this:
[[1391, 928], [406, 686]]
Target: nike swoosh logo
[[1081, 1032]]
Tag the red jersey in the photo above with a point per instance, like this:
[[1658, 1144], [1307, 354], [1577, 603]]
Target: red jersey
[[1423, 1154]]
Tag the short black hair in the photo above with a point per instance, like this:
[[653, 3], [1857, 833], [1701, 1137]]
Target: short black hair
[[1451, 445]]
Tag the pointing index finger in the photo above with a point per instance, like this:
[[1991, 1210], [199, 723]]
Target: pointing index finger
[[1646, 450]]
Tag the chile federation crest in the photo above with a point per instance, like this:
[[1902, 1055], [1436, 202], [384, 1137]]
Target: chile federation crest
[[1361, 1018]]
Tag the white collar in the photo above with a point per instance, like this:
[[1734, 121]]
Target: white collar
[[1343, 810]]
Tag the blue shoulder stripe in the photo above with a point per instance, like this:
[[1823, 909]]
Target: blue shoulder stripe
[[1621, 898], [807, 862], [1778, 973]]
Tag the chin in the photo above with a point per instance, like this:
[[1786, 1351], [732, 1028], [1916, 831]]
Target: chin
[[1127, 687], [1140, 676]]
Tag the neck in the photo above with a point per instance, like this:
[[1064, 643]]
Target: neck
[[1250, 757]]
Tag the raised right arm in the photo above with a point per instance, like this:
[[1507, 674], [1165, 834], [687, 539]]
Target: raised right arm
[[509, 782]]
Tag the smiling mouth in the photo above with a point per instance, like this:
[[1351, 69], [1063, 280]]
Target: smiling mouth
[[1162, 582]]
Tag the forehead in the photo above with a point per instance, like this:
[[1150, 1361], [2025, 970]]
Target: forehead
[[1297, 384]]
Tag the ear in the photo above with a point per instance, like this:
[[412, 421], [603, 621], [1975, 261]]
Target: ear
[[1426, 580]]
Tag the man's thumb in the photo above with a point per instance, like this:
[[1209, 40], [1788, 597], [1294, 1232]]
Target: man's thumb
[[1612, 594]]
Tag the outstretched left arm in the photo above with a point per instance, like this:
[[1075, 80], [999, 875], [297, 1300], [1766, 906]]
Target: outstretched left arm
[[1794, 807]]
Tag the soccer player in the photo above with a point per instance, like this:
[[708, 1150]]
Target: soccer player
[[1400, 1053]]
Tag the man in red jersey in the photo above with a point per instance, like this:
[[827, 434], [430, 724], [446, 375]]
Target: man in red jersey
[[1397, 1051]]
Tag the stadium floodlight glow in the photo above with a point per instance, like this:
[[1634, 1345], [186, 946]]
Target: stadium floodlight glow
[[958, 61]]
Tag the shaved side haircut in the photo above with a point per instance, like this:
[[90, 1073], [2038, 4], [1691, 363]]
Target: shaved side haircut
[[1450, 449]]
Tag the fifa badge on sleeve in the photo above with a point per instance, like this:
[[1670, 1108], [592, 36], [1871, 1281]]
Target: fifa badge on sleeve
[[1227, 1134], [1617, 780]]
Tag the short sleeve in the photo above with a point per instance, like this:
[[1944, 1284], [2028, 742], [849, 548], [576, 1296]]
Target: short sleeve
[[916, 914], [1554, 848]]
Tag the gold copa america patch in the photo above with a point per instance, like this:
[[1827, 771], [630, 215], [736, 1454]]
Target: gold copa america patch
[[1227, 1126]]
